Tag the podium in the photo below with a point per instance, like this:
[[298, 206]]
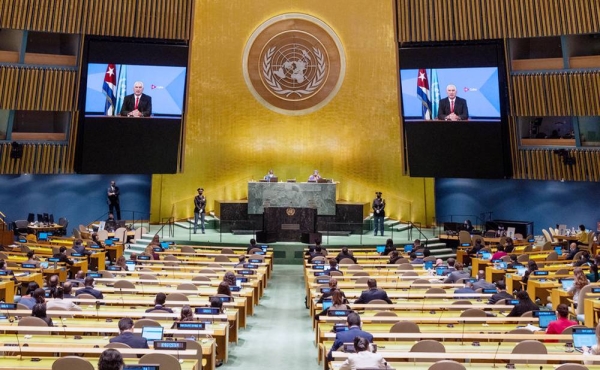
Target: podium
[[289, 223]]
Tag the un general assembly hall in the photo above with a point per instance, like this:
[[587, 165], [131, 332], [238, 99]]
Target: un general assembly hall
[[321, 185]]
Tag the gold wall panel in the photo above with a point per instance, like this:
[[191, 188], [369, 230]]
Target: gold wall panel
[[26, 88], [355, 139], [443, 20], [165, 19], [544, 164]]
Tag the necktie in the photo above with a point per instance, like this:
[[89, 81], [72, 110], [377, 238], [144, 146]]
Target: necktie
[[451, 106], [137, 100]]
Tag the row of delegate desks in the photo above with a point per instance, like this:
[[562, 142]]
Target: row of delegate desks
[[472, 339], [22, 343]]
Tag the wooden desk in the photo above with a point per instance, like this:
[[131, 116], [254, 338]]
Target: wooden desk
[[53, 228], [7, 291]]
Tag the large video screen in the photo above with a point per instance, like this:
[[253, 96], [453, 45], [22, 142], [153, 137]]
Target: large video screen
[[454, 109], [164, 84], [132, 93], [478, 86]]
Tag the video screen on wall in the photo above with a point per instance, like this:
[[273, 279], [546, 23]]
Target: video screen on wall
[[454, 103], [165, 85], [132, 94]]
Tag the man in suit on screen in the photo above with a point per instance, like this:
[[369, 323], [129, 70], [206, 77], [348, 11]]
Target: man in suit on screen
[[137, 104], [453, 108]]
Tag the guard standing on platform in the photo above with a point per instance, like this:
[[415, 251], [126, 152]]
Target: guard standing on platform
[[378, 212], [199, 209], [113, 199]]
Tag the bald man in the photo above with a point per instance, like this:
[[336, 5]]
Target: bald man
[[453, 108]]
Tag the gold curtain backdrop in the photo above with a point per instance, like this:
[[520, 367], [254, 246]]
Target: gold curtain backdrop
[[230, 138]]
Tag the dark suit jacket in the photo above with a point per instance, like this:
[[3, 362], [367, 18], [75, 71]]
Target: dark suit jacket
[[89, 290], [371, 294], [348, 336], [460, 108], [159, 307], [131, 340], [63, 258], [144, 105], [500, 296]]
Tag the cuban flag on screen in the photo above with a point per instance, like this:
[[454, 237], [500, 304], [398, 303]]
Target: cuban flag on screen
[[121, 88], [423, 94], [108, 88]]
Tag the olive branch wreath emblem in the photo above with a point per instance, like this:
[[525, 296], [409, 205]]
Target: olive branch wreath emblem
[[276, 86]]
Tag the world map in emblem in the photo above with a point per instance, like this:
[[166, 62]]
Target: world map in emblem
[[294, 64]]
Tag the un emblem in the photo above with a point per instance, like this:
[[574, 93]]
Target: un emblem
[[294, 64]]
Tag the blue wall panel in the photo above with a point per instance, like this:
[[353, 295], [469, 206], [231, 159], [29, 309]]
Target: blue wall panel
[[79, 198], [546, 203]]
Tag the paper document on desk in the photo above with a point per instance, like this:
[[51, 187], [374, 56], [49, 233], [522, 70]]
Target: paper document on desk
[[531, 328]]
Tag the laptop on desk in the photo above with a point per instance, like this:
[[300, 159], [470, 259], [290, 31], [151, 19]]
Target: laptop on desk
[[583, 337], [545, 318], [567, 283], [152, 333]]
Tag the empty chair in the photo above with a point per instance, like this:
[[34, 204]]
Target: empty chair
[[355, 267], [214, 266], [164, 361], [227, 251], [464, 237], [188, 249], [149, 277], [107, 275], [145, 322], [529, 347], [360, 273], [447, 365], [118, 345], [102, 235], [528, 249], [506, 258], [124, 284], [254, 250], [221, 258], [177, 297], [552, 256], [527, 314], [570, 366], [170, 257], [421, 281], [362, 280], [85, 296], [435, 291], [562, 271], [473, 312], [523, 258], [121, 234], [201, 278], [429, 258], [405, 267], [405, 327], [547, 236], [459, 302], [427, 345], [33, 321], [377, 301], [346, 261], [72, 362], [475, 238], [401, 261], [192, 344], [547, 246], [519, 332], [187, 286], [407, 276], [385, 313], [335, 273], [207, 271]]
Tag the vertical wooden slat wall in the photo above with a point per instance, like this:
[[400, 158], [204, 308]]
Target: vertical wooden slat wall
[[561, 93], [25, 87]]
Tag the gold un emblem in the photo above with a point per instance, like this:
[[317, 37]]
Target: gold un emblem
[[294, 64]]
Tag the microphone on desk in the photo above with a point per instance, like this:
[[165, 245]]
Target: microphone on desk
[[63, 326], [97, 309], [462, 337], [121, 291], [19, 345], [440, 318], [496, 354]]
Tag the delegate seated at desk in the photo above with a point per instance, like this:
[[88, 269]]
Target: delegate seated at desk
[[126, 336], [137, 104], [453, 108], [315, 176]]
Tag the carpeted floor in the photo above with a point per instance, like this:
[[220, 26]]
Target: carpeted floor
[[279, 335]]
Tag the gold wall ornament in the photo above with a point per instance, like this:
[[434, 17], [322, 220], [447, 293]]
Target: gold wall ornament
[[290, 211], [294, 64]]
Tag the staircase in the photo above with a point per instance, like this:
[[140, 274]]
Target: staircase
[[139, 246], [439, 249], [210, 222]]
